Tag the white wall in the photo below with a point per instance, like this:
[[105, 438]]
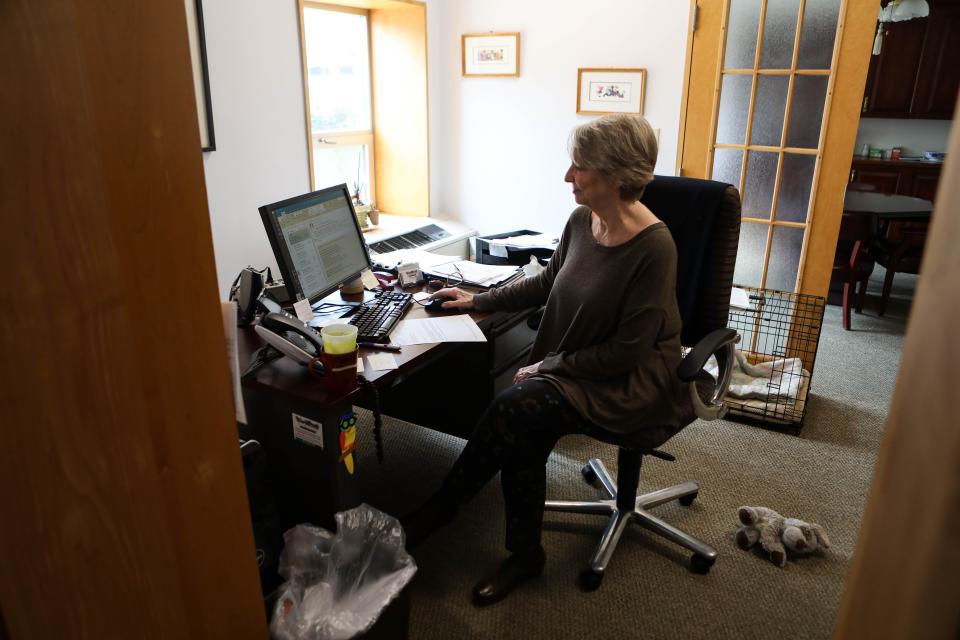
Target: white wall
[[499, 144], [912, 136], [253, 55]]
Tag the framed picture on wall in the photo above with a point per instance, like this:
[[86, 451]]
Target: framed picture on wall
[[201, 77], [605, 91], [490, 54]]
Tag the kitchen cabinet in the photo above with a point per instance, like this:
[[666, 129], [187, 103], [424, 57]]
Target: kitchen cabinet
[[904, 177], [916, 74]]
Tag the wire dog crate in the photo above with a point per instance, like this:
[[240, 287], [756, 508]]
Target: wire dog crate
[[779, 334]]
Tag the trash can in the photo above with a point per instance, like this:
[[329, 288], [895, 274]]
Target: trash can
[[338, 585]]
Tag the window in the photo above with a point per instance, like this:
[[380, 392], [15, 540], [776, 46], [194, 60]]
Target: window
[[336, 49]]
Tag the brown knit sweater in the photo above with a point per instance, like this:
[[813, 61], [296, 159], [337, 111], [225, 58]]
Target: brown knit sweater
[[610, 335]]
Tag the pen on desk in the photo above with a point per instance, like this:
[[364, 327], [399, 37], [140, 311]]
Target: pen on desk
[[377, 345]]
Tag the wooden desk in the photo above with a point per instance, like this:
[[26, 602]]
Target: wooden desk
[[311, 482]]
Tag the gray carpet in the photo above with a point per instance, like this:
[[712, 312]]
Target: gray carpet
[[822, 475]]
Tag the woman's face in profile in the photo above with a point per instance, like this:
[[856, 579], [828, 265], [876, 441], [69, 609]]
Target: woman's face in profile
[[590, 188]]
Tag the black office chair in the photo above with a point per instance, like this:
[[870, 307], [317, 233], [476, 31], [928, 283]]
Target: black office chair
[[704, 218]]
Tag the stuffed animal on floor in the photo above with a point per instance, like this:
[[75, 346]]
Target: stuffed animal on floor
[[777, 534]]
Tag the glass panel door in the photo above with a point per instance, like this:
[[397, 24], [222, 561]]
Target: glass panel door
[[774, 81]]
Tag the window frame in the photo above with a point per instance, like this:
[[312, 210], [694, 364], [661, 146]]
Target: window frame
[[315, 141]]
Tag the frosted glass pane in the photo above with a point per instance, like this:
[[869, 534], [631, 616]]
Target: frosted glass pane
[[819, 32], [768, 110], [742, 26], [796, 178], [806, 112], [753, 242], [758, 188], [779, 29], [784, 258], [726, 166], [734, 104]]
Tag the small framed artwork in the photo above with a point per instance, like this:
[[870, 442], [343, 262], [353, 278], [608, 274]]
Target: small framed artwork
[[605, 91], [490, 54]]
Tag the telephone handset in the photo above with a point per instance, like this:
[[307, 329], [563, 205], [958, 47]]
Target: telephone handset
[[292, 338]]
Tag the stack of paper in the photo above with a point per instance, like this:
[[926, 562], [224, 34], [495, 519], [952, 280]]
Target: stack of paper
[[472, 273], [499, 246], [425, 259]]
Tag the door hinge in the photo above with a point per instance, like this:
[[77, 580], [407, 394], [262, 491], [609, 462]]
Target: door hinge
[[866, 101], [696, 15]]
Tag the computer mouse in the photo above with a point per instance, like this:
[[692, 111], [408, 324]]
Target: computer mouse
[[437, 304]]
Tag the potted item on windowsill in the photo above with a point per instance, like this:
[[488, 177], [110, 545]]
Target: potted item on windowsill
[[362, 210]]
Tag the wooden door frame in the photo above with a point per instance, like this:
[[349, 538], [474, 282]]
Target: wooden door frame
[[905, 575], [124, 504], [841, 117]]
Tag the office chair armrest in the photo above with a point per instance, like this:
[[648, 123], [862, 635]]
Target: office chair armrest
[[720, 343], [697, 358]]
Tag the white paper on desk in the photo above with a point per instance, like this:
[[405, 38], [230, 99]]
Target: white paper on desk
[[382, 361], [460, 328], [229, 312], [498, 250], [484, 275], [425, 259], [535, 241]]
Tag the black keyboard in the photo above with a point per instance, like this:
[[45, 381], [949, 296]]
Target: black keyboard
[[377, 318]]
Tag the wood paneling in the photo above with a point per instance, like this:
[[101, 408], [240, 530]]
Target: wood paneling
[[939, 76], [907, 178], [906, 570], [841, 121], [124, 504], [916, 75], [701, 89], [893, 73], [398, 50]]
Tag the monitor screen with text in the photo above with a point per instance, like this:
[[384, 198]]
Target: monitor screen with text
[[317, 241]]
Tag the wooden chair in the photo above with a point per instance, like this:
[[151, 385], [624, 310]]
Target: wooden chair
[[899, 250], [852, 262]]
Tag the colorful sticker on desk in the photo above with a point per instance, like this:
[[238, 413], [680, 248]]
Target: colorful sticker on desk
[[307, 430], [348, 437]]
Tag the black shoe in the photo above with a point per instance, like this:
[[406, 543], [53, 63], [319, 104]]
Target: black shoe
[[515, 570], [422, 523]]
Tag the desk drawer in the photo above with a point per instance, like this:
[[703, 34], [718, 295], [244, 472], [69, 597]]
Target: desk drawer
[[511, 343]]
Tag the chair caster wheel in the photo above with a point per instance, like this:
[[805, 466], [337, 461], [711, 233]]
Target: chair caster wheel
[[588, 474], [687, 500], [701, 564], [590, 580]]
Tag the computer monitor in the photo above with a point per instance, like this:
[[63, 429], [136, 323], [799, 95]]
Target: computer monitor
[[317, 241]]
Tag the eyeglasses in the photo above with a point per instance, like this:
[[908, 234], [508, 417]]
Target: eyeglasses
[[453, 280]]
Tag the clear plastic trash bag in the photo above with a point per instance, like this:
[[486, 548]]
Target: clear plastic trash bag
[[338, 584]]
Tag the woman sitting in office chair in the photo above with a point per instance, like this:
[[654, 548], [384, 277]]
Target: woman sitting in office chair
[[606, 352]]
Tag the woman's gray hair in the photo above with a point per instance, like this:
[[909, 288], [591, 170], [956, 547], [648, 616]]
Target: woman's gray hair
[[621, 147]]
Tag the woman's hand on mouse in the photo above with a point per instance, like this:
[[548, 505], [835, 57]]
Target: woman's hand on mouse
[[459, 299], [525, 372]]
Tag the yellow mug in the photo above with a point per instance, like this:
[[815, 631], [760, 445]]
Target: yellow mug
[[339, 338]]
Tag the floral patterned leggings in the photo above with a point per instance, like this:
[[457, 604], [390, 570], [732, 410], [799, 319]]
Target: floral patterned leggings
[[515, 437]]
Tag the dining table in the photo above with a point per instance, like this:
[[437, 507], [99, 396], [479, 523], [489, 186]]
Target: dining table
[[887, 206]]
